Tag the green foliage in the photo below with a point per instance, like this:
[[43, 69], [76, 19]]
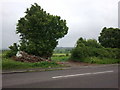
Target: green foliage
[[90, 48], [110, 37], [80, 52], [85, 48], [88, 43], [108, 53], [98, 60], [84, 52], [13, 50], [67, 54], [39, 31]]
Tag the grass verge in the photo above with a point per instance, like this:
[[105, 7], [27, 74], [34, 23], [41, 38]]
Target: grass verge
[[9, 64], [97, 60]]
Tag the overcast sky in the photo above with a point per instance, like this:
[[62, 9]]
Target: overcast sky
[[85, 18]]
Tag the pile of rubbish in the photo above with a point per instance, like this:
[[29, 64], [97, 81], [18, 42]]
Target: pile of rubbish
[[24, 57]]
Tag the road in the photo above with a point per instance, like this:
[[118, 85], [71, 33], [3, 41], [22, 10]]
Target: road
[[103, 76]]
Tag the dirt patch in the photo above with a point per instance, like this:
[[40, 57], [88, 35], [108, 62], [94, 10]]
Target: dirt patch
[[24, 57]]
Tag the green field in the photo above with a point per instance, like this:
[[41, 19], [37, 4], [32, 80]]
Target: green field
[[60, 57]]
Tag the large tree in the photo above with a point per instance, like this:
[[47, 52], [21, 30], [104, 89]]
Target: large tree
[[110, 37], [39, 31]]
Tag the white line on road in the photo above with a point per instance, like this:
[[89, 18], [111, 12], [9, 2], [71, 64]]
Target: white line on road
[[83, 74]]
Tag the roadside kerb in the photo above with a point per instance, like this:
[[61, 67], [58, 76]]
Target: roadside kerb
[[32, 70]]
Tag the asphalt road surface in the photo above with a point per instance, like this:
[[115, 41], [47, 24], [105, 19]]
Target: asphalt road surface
[[105, 76]]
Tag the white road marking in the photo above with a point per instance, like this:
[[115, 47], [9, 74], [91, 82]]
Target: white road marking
[[102, 72], [83, 74]]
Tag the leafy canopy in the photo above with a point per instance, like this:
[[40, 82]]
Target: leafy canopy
[[88, 43], [91, 48], [85, 48], [110, 37], [39, 31]]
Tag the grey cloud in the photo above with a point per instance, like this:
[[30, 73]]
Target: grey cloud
[[85, 18]]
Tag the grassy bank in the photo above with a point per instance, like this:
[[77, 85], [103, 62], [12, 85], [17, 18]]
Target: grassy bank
[[97, 60], [9, 64]]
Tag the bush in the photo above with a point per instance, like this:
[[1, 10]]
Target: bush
[[83, 52], [90, 48], [10, 53], [108, 53], [89, 43], [13, 50], [67, 54]]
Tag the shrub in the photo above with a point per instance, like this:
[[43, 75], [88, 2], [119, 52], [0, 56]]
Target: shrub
[[89, 43], [67, 54], [83, 52], [90, 48], [13, 50], [80, 52]]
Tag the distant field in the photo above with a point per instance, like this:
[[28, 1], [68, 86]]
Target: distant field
[[61, 54], [61, 57]]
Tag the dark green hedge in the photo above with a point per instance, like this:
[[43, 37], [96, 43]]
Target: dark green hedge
[[83, 52]]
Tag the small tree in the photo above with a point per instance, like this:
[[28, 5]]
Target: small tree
[[110, 37], [88, 43], [13, 50], [39, 31], [85, 48]]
